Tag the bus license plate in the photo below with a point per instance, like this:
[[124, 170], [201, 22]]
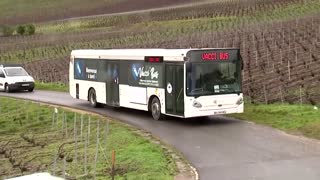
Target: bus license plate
[[220, 112], [25, 84]]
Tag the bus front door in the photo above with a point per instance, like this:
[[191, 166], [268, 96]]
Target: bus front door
[[112, 84], [174, 89]]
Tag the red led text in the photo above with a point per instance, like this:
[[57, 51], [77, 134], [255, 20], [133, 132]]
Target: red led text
[[215, 56]]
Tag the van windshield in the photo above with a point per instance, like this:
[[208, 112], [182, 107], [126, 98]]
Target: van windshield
[[15, 72]]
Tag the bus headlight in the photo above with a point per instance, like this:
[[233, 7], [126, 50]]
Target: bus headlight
[[240, 101], [196, 104]]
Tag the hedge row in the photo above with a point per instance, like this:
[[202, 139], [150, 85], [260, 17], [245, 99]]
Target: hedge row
[[27, 29]]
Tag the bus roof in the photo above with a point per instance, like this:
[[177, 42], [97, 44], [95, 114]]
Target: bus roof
[[134, 54]]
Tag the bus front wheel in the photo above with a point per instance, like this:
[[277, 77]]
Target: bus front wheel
[[156, 109], [93, 98]]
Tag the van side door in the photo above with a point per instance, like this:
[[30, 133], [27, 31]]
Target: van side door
[[2, 79]]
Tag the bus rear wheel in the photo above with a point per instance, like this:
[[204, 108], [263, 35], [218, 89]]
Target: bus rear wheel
[[92, 98], [156, 109]]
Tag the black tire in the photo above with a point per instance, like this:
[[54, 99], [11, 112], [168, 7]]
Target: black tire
[[92, 98], [7, 88], [30, 90], [155, 109]]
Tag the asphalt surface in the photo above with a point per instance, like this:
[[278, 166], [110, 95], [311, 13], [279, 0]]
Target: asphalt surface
[[219, 148]]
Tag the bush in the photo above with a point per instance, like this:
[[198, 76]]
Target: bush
[[7, 30], [29, 29], [21, 29]]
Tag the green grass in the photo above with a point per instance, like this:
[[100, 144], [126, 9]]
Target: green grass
[[55, 86], [296, 119], [136, 157]]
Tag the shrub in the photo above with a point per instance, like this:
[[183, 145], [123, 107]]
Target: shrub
[[21, 29], [29, 29]]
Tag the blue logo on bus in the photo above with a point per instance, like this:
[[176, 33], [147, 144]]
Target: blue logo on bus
[[79, 69], [135, 71]]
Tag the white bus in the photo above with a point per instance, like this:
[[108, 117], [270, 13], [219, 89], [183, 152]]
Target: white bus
[[176, 82]]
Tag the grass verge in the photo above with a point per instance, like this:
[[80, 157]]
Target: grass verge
[[294, 119], [54, 86], [37, 138]]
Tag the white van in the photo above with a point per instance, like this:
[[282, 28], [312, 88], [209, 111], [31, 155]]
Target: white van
[[14, 77]]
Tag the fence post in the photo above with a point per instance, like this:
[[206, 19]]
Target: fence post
[[75, 139], [55, 164], [113, 164], [66, 124], [85, 154], [52, 121], [81, 127], [97, 150], [27, 111], [89, 123], [106, 133], [38, 114], [62, 124]]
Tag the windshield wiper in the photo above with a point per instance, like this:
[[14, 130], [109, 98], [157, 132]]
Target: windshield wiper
[[197, 89]]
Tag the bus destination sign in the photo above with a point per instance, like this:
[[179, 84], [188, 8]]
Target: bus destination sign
[[153, 59], [212, 56]]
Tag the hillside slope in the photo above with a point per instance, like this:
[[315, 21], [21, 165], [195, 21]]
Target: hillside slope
[[24, 11]]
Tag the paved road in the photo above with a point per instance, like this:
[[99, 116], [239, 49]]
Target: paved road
[[220, 148]]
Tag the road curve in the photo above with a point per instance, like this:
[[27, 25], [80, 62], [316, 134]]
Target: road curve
[[220, 148]]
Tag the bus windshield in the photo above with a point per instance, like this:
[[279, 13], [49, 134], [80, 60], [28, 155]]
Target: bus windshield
[[213, 78]]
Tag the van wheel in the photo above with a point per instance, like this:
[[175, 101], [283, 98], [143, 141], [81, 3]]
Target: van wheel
[[7, 88], [156, 109], [93, 98]]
